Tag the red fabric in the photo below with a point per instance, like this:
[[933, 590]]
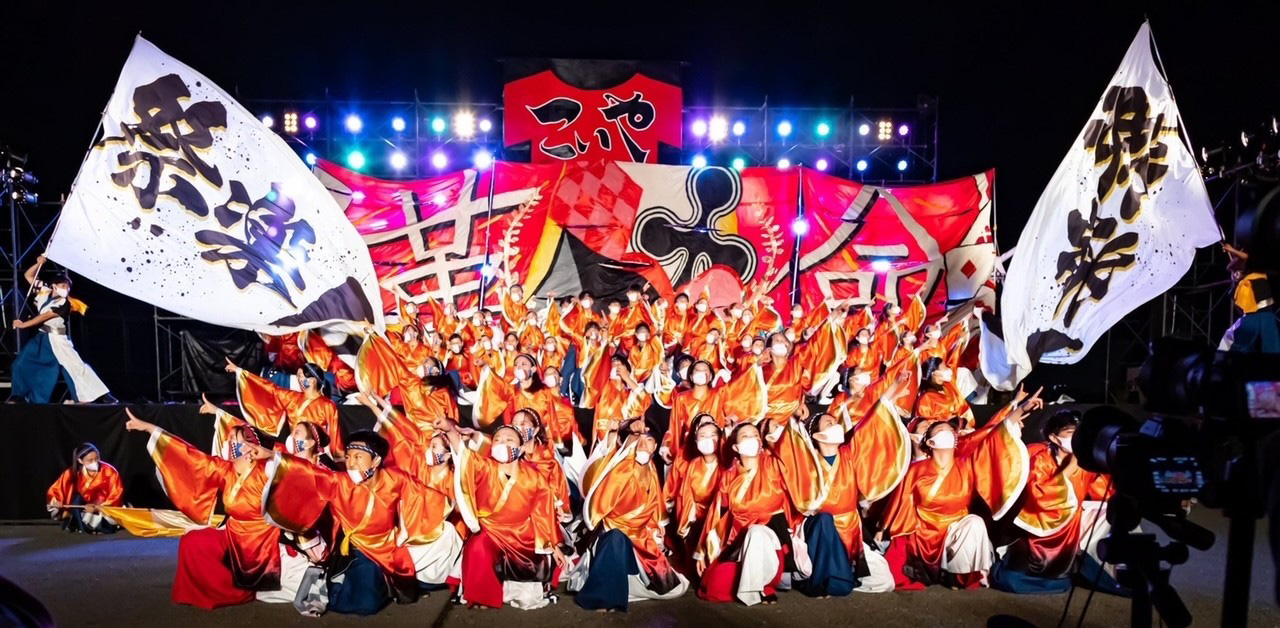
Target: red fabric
[[587, 125], [720, 581], [203, 578], [480, 583], [897, 557]]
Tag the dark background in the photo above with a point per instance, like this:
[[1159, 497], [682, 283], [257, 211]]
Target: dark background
[[1016, 82]]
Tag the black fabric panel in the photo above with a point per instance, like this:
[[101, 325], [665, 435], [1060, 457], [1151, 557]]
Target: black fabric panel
[[592, 73], [40, 438]]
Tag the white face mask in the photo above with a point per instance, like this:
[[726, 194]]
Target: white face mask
[[749, 448], [95, 465], [521, 375], [702, 307], [832, 434], [1065, 445], [355, 476], [779, 349], [736, 313], [633, 297], [549, 348], [488, 346], [502, 453], [706, 446], [797, 314], [908, 339], [614, 309], [862, 340], [436, 459], [791, 335], [642, 337], [934, 333], [550, 381], [680, 305], [712, 338], [699, 378], [61, 293], [642, 457], [944, 375], [456, 348], [613, 373], [895, 310], [943, 440], [862, 379], [746, 317], [757, 351]]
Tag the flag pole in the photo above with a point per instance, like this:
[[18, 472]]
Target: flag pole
[[1182, 125]]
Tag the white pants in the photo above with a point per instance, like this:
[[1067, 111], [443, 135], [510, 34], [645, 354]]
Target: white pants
[[435, 560], [292, 570], [759, 563], [880, 580], [86, 383], [967, 548]]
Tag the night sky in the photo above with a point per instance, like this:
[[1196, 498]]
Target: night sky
[[1015, 84]]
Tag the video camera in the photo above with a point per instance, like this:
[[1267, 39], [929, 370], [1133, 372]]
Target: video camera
[[1211, 413]]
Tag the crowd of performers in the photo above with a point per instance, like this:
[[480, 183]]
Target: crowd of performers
[[726, 452]]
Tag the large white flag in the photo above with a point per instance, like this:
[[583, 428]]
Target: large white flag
[[190, 203], [1118, 224]]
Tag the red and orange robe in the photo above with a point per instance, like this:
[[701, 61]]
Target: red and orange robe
[[412, 355], [319, 353], [103, 488], [273, 409], [284, 352], [246, 544], [1052, 514], [371, 513], [867, 467], [513, 312], [940, 405], [990, 463], [690, 488], [513, 524], [380, 372], [743, 396], [674, 328], [499, 400], [746, 497], [627, 497]]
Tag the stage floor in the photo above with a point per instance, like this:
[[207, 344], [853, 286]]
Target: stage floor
[[120, 580]]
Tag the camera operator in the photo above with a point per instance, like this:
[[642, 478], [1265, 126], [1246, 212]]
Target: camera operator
[[1258, 330]]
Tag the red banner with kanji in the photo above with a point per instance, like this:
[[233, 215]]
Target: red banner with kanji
[[603, 226], [567, 110]]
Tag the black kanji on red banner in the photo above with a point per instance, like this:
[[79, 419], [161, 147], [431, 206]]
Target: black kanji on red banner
[[567, 109]]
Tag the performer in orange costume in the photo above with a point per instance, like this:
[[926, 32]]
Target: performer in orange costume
[[935, 539], [89, 482]]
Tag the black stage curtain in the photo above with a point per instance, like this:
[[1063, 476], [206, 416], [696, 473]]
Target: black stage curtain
[[41, 438]]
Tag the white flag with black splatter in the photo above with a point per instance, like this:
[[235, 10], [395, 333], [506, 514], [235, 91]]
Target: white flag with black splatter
[[1118, 224], [190, 203]]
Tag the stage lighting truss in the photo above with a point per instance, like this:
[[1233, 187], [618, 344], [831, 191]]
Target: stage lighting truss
[[1253, 159], [435, 137], [863, 144], [395, 139], [17, 184]]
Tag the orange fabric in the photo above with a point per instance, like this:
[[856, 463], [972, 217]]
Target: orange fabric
[[930, 499], [273, 409], [500, 399], [1053, 497], [194, 481], [628, 498], [320, 354], [940, 405], [103, 488], [746, 497], [691, 486], [517, 512]]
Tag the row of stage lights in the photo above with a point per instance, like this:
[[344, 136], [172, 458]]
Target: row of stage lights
[[464, 124], [822, 164], [717, 129], [482, 159]]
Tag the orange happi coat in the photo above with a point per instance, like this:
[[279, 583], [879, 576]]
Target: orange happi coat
[[273, 409]]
